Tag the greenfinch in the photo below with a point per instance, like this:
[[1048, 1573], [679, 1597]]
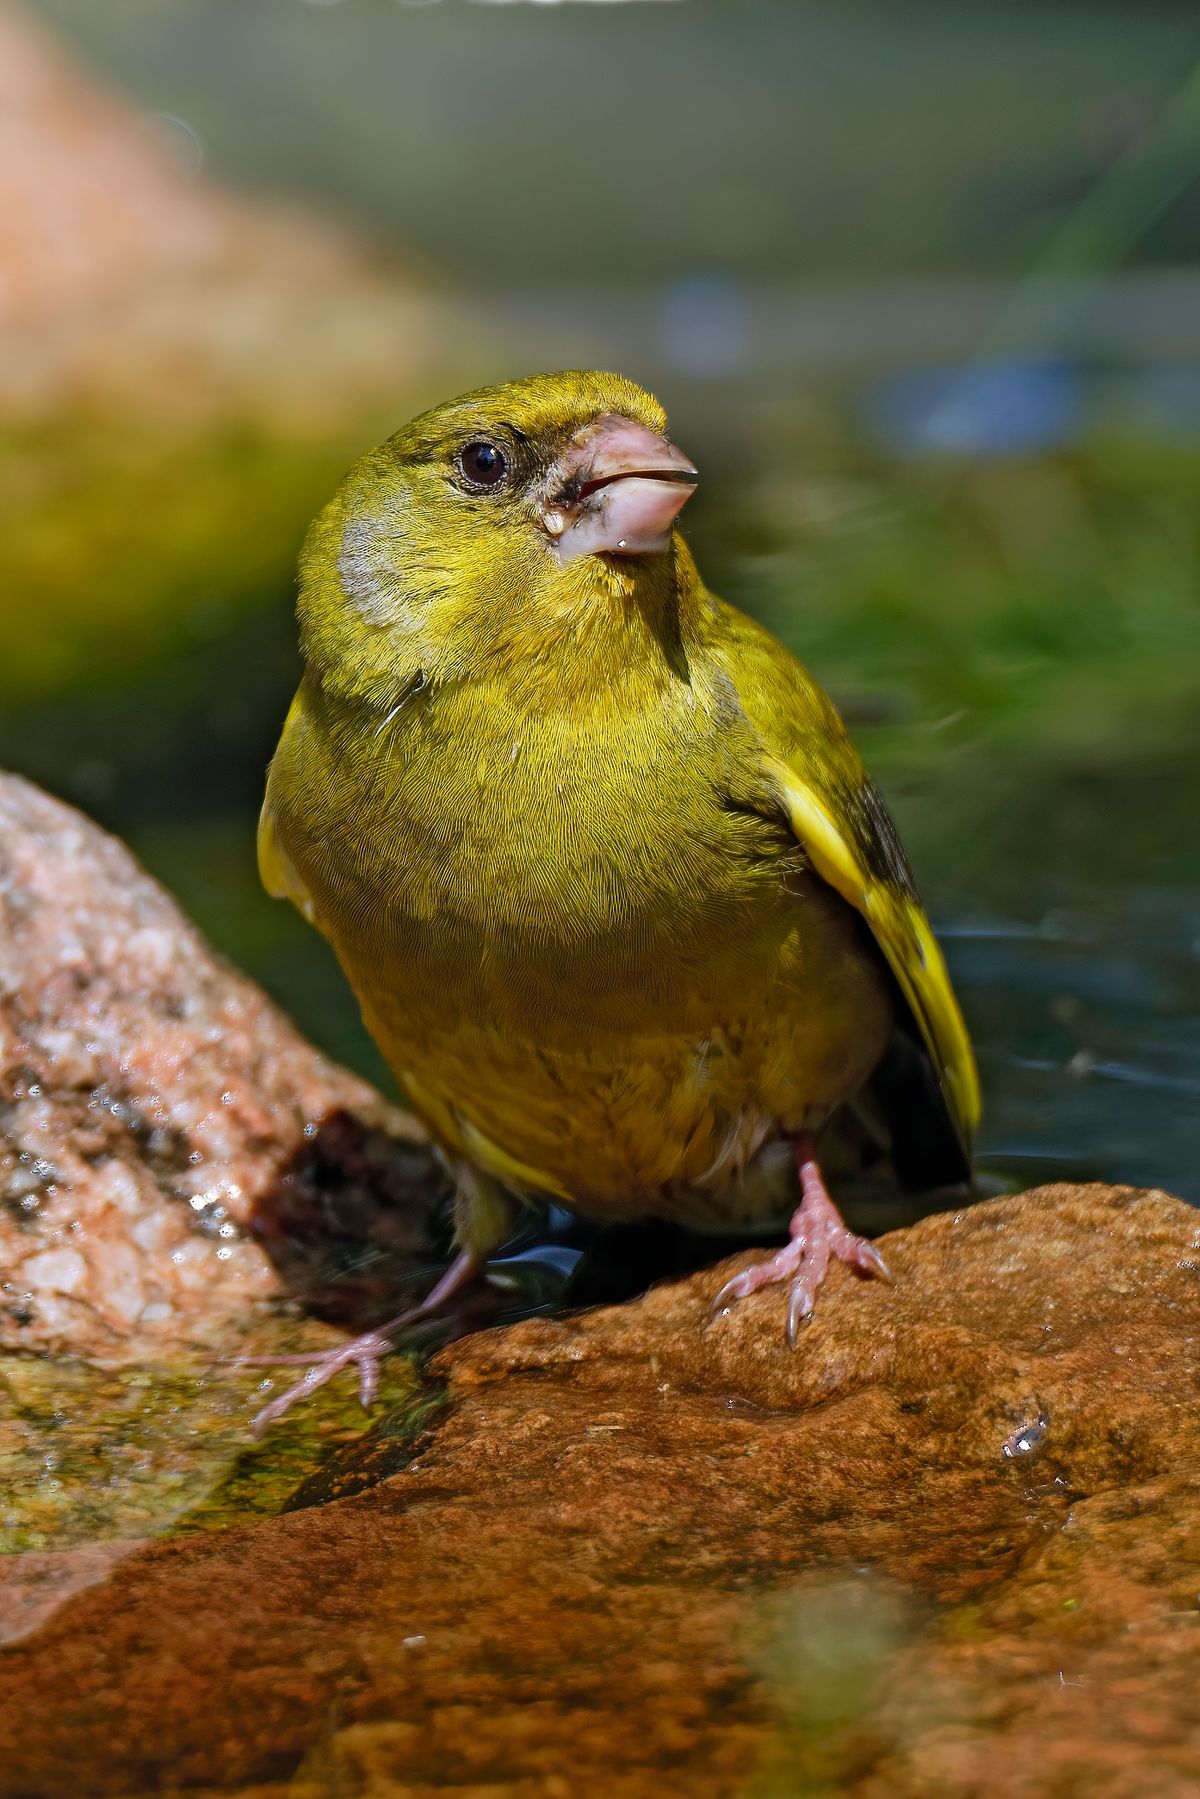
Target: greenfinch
[[622, 909]]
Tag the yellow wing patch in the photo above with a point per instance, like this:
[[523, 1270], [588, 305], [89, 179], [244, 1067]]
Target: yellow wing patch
[[451, 1128], [275, 869], [903, 933]]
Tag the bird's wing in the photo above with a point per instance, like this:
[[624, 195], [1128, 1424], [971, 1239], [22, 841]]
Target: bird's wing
[[814, 774], [275, 868]]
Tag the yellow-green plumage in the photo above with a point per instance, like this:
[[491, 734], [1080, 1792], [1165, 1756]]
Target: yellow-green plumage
[[593, 849]]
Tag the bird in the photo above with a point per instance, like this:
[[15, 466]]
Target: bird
[[619, 902]]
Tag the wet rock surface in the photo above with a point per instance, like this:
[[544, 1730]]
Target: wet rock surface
[[950, 1546], [172, 1153]]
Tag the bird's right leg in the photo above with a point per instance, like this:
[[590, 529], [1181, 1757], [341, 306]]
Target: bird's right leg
[[818, 1234]]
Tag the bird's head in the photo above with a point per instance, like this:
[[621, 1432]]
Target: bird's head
[[496, 525]]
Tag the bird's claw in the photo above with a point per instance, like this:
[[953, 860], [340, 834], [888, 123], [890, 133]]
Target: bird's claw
[[817, 1236], [740, 1286], [869, 1261], [365, 1353]]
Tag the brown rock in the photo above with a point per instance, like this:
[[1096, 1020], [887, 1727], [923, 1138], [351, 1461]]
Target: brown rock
[[948, 1546], [171, 1151]]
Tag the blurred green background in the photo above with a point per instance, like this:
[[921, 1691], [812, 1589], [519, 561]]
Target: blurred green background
[[920, 288]]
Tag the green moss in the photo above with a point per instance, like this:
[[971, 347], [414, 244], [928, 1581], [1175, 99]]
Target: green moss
[[92, 1454]]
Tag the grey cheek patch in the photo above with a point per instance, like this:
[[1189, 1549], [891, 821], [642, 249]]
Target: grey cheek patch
[[366, 566]]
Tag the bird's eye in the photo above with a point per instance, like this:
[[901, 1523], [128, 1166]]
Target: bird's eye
[[483, 464]]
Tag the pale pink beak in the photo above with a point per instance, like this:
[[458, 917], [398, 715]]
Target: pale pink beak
[[617, 491]]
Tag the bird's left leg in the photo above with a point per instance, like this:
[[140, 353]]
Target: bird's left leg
[[817, 1233], [483, 1216], [365, 1352]]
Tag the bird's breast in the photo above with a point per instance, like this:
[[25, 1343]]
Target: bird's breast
[[530, 850], [579, 955]]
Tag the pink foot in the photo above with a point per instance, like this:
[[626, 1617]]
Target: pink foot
[[816, 1233], [365, 1352]]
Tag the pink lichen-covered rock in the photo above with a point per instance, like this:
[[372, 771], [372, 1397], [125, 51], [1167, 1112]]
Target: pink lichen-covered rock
[[171, 1151]]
